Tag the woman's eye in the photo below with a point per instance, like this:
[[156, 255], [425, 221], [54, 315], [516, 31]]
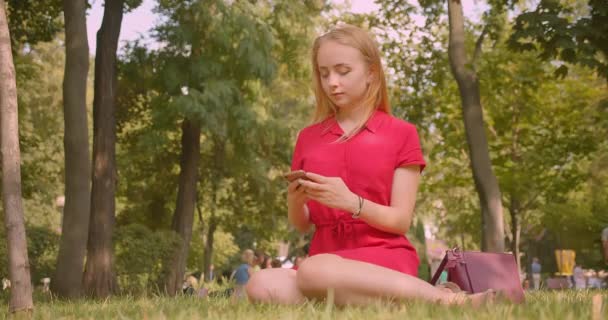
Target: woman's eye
[[345, 72]]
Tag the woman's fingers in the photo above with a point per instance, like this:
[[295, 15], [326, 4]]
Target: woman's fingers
[[316, 177], [315, 187], [311, 185], [316, 196], [311, 191], [293, 186]]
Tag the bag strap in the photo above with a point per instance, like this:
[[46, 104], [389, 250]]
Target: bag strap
[[439, 270]]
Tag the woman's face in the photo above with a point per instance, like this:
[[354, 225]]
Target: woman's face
[[343, 73]]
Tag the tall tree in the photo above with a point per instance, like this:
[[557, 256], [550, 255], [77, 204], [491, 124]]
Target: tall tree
[[68, 274], [19, 273], [531, 151], [420, 97], [238, 205], [99, 278], [239, 188], [186, 201], [468, 85], [545, 130], [213, 97]]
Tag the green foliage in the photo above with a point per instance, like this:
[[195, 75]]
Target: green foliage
[[242, 69], [422, 92], [571, 32], [418, 240], [293, 24], [576, 220], [139, 253], [39, 92], [598, 186], [245, 80], [148, 146], [546, 131], [541, 130], [42, 247], [224, 248], [33, 21], [520, 96]]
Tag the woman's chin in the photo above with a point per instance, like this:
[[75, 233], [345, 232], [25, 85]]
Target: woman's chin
[[340, 105]]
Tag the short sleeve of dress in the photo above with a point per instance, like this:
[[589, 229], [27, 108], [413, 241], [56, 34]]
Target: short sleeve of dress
[[296, 161], [410, 152]]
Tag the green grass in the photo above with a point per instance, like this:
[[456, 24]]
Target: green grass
[[539, 305]]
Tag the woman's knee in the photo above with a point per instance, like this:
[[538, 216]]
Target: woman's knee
[[274, 285], [316, 274], [256, 287]]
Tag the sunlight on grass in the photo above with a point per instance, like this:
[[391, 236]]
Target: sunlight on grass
[[539, 305]]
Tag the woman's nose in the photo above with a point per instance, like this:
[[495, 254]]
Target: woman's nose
[[333, 80]]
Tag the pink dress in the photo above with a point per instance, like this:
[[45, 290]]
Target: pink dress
[[366, 163]]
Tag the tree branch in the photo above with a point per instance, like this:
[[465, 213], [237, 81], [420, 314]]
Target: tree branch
[[532, 199], [478, 44], [200, 213]]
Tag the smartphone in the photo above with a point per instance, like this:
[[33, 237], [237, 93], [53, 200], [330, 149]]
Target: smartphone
[[293, 175]]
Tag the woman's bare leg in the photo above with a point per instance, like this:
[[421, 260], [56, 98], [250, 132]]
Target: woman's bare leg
[[275, 285], [356, 282]]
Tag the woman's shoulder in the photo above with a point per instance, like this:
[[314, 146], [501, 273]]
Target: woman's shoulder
[[398, 124], [315, 128]]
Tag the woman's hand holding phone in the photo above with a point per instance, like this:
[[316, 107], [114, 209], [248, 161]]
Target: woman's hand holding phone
[[295, 194], [297, 212], [294, 175], [330, 191]]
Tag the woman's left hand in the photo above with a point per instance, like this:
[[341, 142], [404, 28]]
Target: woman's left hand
[[330, 191]]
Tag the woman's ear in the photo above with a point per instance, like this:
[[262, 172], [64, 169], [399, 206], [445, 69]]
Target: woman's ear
[[371, 75]]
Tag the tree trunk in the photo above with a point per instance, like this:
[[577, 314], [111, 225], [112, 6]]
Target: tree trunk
[[186, 201], [67, 281], [18, 263], [486, 183], [515, 206], [514, 210], [99, 277], [209, 248]]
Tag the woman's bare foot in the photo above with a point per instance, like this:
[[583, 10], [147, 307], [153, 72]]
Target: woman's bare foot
[[476, 300], [449, 287], [483, 298]]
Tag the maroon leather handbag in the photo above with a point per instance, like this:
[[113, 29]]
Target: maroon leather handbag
[[477, 272]]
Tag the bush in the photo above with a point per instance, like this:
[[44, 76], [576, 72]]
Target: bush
[[139, 255], [42, 246], [223, 249]]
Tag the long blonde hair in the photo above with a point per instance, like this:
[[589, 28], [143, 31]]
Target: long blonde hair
[[376, 96]]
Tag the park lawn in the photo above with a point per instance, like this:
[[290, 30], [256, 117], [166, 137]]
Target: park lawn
[[539, 305]]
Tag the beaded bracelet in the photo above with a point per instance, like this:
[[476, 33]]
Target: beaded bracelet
[[356, 215]]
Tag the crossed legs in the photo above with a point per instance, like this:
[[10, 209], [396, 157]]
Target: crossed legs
[[353, 282]]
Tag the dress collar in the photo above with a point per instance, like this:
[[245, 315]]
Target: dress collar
[[330, 125]]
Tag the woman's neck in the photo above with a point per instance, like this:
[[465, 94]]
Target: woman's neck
[[351, 116]]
